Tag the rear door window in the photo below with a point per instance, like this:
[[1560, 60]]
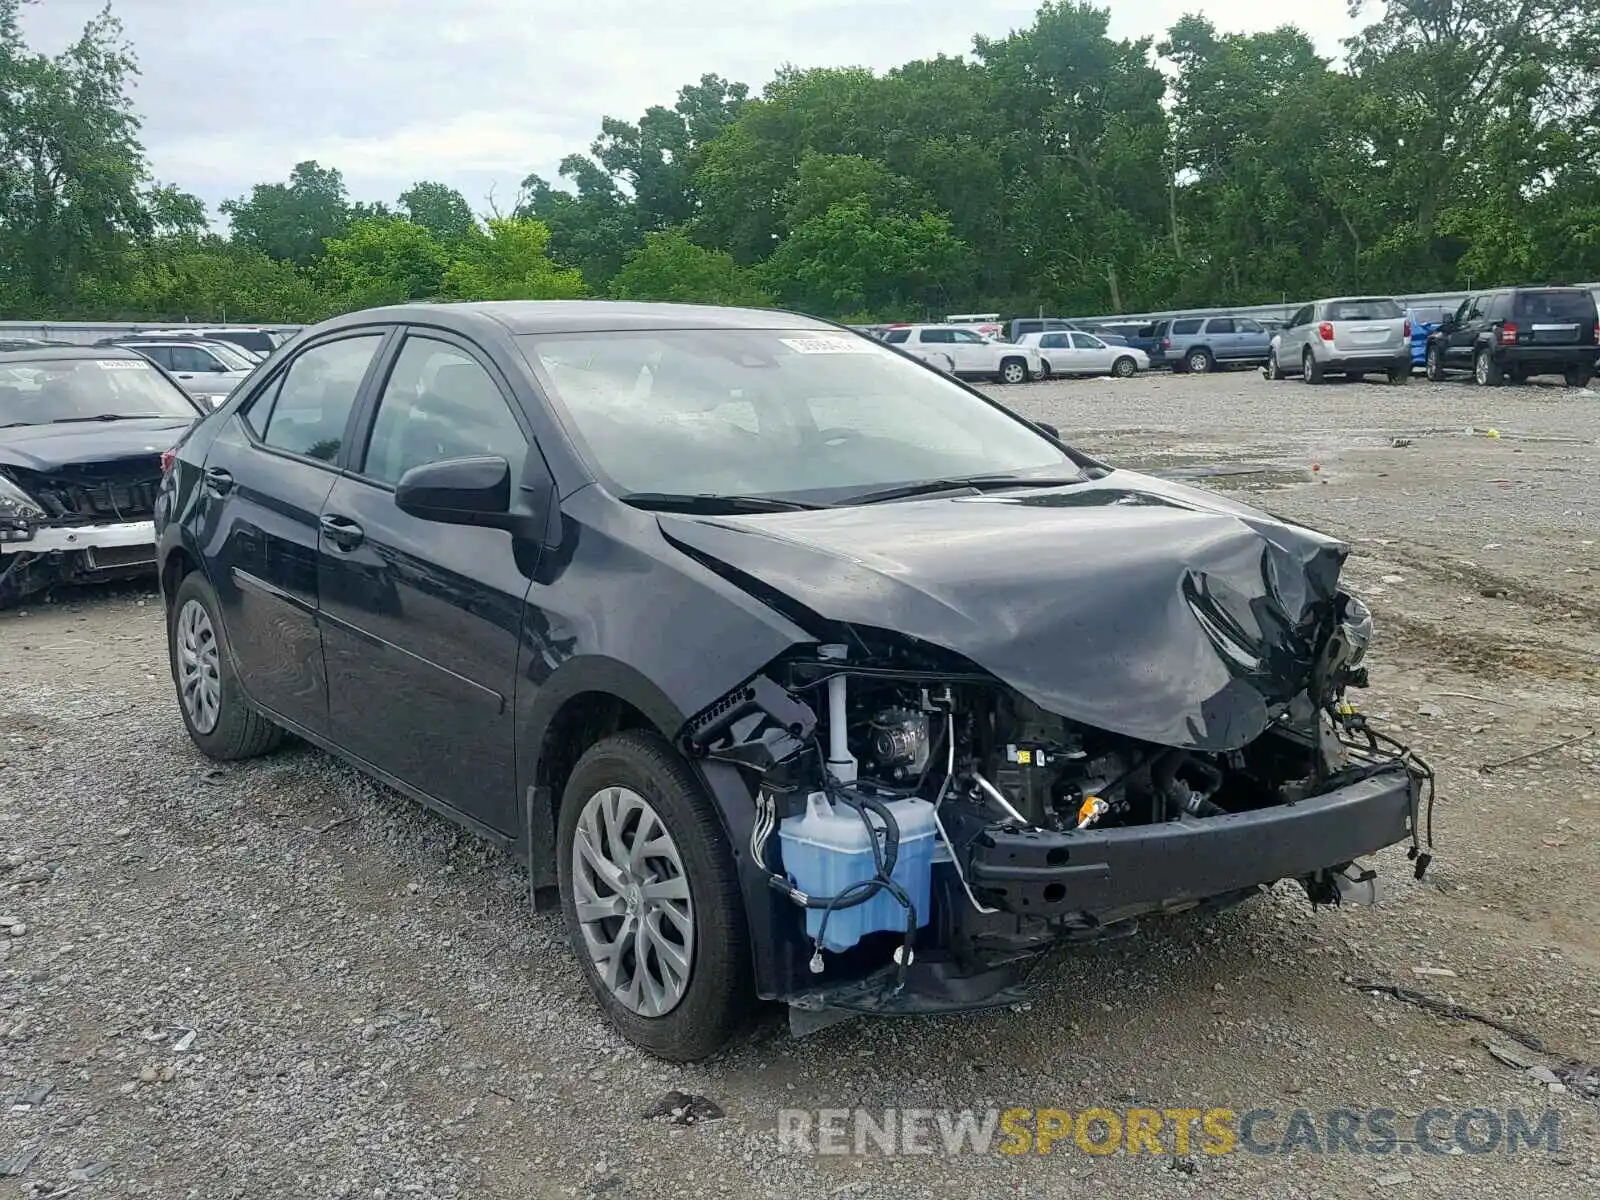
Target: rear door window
[[1220, 325], [314, 400], [1186, 326], [942, 337]]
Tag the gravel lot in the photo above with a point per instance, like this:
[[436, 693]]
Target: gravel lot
[[378, 1013]]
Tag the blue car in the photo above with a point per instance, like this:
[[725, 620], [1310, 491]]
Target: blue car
[[1424, 321]]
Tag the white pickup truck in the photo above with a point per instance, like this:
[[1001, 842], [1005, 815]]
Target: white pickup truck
[[960, 350]]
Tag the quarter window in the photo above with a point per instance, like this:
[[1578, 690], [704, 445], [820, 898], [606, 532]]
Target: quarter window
[[311, 406], [440, 404]]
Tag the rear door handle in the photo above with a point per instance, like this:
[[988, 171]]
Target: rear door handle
[[342, 531], [218, 482]]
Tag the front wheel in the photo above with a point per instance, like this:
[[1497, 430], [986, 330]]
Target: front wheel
[[1433, 364], [651, 897], [1124, 367], [1013, 370], [1273, 370], [1200, 361], [1399, 376], [219, 719]]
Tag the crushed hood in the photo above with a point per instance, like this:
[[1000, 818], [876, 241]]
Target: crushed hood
[[1131, 604], [48, 449]]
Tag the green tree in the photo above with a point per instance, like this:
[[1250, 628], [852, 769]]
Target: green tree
[[510, 261], [71, 166], [441, 210], [291, 221], [669, 266], [383, 261]]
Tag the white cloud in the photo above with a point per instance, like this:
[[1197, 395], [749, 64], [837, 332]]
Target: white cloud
[[478, 93]]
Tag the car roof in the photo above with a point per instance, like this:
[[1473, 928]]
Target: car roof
[[579, 316], [67, 353], [1346, 299]]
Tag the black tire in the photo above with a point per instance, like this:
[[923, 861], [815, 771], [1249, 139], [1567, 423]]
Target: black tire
[[240, 730], [1124, 368], [1517, 374], [1044, 368], [1273, 370], [720, 995], [1400, 377], [1578, 377], [1433, 363], [1485, 370], [1013, 370], [1310, 368], [1199, 362], [1355, 376]]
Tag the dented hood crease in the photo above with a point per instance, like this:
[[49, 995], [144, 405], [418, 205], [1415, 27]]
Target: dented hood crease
[[1135, 605]]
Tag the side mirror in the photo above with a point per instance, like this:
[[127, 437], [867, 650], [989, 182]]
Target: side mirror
[[1447, 322], [1048, 428], [458, 491]]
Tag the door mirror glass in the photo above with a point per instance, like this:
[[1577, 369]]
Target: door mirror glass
[[1050, 429], [457, 491]]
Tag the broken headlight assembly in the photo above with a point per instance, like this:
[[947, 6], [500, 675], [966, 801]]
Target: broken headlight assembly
[[19, 512]]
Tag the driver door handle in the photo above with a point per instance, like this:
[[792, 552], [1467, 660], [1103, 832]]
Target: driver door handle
[[341, 531], [218, 482]]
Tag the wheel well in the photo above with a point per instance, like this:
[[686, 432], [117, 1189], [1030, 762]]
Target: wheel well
[[578, 724], [178, 565]]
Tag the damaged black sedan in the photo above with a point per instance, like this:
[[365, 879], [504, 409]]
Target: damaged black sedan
[[82, 431], [792, 667]]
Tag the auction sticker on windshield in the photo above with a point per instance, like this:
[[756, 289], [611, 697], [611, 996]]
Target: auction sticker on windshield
[[828, 345], [122, 364]]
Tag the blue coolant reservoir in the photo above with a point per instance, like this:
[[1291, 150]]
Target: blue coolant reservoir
[[826, 849]]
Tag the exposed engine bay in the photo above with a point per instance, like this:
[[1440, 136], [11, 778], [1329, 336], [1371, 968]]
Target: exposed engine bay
[[856, 743]]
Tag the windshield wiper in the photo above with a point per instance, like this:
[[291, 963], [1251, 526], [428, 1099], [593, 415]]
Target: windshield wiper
[[977, 483], [712, 503], [108, 417]]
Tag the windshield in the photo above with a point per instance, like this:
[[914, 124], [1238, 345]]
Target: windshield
[[771, 412], [1363, 310], [235, 358], [42, 391]]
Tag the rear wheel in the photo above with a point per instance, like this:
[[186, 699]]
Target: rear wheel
[[1399, 376], [1434, 364], [1200, 361], [219, 719], [1044, 368], [651, 897], [1579, 377], [1124, 367], [1013, 370], [1517, 373], [1484, 368], [1310, 368]]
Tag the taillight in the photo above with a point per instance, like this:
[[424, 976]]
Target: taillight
[[168, 457], [1508, 333], [1325, 331], [1166, 343], [1405, 330]]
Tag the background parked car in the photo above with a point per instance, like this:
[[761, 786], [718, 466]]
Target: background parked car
[[257, 343], [969, 354], [1202, 344], [208, 371], [82, 431], [1514, 333], [1072, 352], [1424, 320], [1349, 336], [1021, 327]]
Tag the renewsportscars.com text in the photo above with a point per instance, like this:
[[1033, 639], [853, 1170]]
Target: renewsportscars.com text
[[1164, 1131]]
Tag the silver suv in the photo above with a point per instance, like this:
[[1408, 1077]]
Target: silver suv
[[1351, 336]]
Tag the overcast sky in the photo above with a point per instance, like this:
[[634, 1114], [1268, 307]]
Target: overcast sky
[[478, 93]]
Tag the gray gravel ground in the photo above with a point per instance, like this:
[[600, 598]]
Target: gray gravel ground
[[376, 1012]]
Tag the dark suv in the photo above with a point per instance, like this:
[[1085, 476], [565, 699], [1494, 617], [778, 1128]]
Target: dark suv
[[1519, 332]]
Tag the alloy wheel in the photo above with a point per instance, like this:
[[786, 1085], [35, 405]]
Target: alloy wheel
[[199, 683], [631, 895], [1480, 368], [1013, 372]]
